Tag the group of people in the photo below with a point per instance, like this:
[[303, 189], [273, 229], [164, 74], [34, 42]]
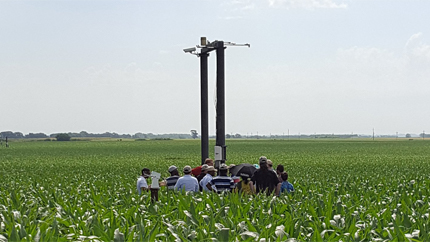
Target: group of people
[[203, 178]]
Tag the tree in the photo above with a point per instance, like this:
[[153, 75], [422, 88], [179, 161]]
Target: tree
[[83, 134], [36, 135], [62, 137], [227, 136], [194, 134], [408, 135], [238, 136]]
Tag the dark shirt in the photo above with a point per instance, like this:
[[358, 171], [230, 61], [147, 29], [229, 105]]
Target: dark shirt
[[171, 181], [265, 180]]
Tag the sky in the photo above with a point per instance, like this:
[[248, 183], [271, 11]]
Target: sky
[[314, 66]]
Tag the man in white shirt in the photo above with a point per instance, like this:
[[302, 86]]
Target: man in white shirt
[[204, 183], [142, 185], [187, 182]]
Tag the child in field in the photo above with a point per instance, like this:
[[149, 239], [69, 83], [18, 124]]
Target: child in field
[[285, 185]]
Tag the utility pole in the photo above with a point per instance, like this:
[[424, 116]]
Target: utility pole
[[204, 123], [373, 135], [206, 47], [220, 102]]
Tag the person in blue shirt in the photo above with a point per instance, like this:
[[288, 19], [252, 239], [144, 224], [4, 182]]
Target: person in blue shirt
[[285, 185], [187, 182]]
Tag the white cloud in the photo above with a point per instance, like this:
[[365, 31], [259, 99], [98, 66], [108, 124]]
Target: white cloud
[[416, 49], [237, 9], [307, 4], [374, 70]]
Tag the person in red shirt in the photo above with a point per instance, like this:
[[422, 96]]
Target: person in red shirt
[[196, 171]]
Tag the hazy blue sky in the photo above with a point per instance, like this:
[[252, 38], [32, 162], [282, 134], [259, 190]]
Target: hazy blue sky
[[314, 66]]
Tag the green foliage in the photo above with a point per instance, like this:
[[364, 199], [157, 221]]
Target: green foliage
[[345, 190]]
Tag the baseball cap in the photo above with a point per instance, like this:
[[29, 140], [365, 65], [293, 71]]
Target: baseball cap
[[187, 169], [263, 160], [172, 168], [204, 167]]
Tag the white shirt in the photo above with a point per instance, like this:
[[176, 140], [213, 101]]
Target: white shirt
[[141, 182], [187, 183], [205, 180]]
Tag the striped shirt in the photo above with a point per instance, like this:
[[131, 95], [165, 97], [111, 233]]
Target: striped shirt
[[171, 182], [222, 183]]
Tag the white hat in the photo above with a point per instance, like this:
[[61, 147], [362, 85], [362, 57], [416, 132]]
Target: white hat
[[187, 169], [204, 167], [211, 168]]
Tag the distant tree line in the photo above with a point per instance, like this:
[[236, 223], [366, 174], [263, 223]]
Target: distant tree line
[[84, 134], [192, 135]]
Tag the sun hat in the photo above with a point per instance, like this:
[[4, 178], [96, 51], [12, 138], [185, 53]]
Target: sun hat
[[263, 160], [211, 168], [187, 169], [172, 168], [204, 167]]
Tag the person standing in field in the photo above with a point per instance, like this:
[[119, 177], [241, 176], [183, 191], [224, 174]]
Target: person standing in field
[[204, 183], [279, 170], [202, 174], [222, 183], [244, 186], [265, 180], [142, 185], [187, 183], [270, 165], [197, 170], [286, 186], [174, 176]]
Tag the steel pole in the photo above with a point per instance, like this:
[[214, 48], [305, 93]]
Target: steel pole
[[220, 96], [204, 105]]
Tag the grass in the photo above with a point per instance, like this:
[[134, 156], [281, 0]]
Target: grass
[[347, 190]]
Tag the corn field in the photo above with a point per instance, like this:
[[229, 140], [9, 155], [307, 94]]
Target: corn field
[[347, 190]]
